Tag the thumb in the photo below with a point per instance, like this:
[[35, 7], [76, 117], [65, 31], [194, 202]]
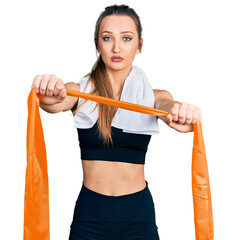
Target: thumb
[[62, 94], [167, 119]]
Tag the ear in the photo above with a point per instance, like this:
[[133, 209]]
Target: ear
[[98, 49], [140, 46]]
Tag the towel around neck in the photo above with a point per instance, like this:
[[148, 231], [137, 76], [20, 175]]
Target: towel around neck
[[136, 89]]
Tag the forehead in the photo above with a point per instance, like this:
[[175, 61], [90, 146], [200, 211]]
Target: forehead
[[117, 23]]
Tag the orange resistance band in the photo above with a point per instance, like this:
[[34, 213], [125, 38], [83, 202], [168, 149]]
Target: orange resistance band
[[36, 208]]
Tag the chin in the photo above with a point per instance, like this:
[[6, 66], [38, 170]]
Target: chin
[[117, 66]]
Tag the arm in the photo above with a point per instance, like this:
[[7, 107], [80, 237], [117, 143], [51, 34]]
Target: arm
[[52, 94], [163, 100], [182, 115], [67, 103]]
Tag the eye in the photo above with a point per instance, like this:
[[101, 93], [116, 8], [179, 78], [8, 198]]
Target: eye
[[105, 38], [128, 38]]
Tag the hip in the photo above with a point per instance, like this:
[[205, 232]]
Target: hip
[[137, 206], [130, 216]]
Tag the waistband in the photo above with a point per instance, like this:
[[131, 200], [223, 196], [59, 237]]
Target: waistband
[[103, 196], [135, 207]]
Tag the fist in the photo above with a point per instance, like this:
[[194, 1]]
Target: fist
[[182, 116], [49, 88]]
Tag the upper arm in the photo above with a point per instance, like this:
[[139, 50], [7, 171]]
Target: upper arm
[[161, 95]]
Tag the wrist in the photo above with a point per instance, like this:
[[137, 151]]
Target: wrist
[[166, 105]]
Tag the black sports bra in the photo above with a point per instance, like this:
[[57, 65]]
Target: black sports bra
[[126, 147]]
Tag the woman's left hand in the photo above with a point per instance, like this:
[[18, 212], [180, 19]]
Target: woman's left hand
[[182, 116]]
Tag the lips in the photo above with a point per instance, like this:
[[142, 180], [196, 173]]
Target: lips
[[116, 58]]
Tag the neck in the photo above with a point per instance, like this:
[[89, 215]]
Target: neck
[[117, 79]]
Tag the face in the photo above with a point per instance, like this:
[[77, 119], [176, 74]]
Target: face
[[118, 36]]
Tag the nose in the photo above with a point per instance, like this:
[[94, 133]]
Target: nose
[[116, 46]]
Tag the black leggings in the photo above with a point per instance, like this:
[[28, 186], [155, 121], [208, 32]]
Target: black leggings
[[103, 217]]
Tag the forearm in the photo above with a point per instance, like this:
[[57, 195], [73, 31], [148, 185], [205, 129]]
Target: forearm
[[163, 100], [165, 105], [51, 108]]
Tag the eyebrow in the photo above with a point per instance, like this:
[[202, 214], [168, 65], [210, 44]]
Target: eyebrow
[[121, 32]]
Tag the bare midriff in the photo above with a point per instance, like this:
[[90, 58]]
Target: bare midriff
[[113, 178]]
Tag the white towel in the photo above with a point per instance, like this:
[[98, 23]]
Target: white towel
[[136, 89]]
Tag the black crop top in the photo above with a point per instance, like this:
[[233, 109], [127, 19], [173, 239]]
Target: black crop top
[[126, 147]]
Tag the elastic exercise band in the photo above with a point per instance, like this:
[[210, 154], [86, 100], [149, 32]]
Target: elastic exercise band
[[36, 208]]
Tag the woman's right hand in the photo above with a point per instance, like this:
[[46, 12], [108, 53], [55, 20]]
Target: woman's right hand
[[50, 89]]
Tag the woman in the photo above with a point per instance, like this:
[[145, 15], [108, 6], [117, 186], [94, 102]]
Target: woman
[[115, 201]]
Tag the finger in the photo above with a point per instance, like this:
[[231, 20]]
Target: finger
[[58, 86], [189, 114], [196, 114], [169, 118], [175, 111], [36, 83], [62, 93], [51, 84], [43, 84], [182, 113]]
